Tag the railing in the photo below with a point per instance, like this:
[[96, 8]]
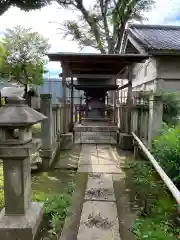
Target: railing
[[168, 182], [139, 118]]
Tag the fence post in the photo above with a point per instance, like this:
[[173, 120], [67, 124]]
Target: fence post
[[80, 110], [155, 117], [46, 130], [72, 104], [134, 119], [58, 120], [75, 114]]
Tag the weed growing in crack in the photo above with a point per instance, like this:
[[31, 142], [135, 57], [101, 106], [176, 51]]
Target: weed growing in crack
[[99, 192], [95, 175], [96, 220]]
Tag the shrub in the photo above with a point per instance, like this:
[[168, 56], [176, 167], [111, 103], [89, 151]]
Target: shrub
[[166, 149], [153, 204], [171, 107]]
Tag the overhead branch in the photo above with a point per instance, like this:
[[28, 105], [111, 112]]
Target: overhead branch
[[104, 8], [92, 25]]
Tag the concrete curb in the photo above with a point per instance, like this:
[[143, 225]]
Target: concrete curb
[[72, 221]]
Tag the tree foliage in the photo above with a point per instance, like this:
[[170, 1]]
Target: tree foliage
[[24, 59], [2, 52], [171, 108], [23, 4], [166, 149], [102, 25]]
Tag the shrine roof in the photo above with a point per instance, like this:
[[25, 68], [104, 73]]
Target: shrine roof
[[87, 64]]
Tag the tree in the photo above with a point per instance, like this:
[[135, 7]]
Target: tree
[[102, 26], [2, 52], [25, 56], [26, 5]]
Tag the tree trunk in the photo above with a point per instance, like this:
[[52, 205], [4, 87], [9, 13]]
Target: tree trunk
[[27, 96]]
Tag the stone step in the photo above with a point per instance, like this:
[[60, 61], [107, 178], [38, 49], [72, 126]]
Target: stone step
[[99, 221], [100, 169], [100, 188], [99, 218]]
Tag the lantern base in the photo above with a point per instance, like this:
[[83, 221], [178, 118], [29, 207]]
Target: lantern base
[[23, 227]]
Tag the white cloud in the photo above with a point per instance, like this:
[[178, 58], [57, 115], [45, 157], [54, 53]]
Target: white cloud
[[163, 12], [40, 21]]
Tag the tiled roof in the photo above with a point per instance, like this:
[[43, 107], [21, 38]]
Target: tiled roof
[[156, 37]]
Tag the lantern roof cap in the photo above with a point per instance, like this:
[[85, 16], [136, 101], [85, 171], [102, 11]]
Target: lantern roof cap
[[18, 114]]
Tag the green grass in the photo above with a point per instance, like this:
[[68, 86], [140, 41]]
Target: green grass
[[155, 207], [1, 184], [55, 190]]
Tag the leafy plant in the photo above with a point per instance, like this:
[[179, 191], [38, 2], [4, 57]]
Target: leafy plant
[[23, 4], [153, 204], [24, 56], [166, 149], [56, 209], [148, 229], [171, 107]]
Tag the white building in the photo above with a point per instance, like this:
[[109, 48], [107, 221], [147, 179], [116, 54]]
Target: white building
[[161, 72]]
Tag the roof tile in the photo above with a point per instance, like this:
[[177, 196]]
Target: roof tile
[[156, 37]]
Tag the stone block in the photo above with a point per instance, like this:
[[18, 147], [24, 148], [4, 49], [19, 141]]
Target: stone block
[[126, 141], [67, 141], [21, 227], [16, 152], [17, 186], [46, 153], [46, 156], [100, 169], [88, 158], [100, 187], [91, 229]]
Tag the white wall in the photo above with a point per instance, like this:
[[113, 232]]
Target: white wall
[[160, 73], [168, 71], [144, 75], [168, 67]]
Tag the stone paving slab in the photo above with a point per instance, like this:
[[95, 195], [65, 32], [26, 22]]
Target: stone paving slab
[[100, 168], [95, 138], [107, 213], [88, 158], [88, 148], [103, 146], [98, 141], [69, 159], [107, 158], [100, 187]]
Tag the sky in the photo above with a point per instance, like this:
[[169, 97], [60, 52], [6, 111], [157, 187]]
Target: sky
[[164, 12]]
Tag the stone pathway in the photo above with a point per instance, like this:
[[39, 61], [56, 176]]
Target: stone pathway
[[95, 137], [99, 219]]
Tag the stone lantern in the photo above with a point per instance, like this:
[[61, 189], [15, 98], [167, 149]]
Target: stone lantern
[[20, 218]]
